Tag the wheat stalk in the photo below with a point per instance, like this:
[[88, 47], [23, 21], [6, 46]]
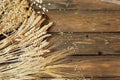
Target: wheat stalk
[[24, 44]]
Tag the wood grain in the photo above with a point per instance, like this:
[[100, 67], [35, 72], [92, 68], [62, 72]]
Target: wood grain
[[87, 43], [90, 66], [81, 5], [83, 15], [96, 55], [75, 21]]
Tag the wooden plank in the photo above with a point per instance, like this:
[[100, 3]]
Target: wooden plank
[[87, 43], [75, 21], [97, 16], [82, 4], [90, 66]]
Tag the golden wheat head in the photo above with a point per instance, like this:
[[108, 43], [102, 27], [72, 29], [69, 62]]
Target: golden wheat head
[[24, 41]]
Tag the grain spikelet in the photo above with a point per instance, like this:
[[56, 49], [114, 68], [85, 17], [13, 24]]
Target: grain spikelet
[[23, 46]]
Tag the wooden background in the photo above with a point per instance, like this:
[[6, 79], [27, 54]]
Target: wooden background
[[92, 27]]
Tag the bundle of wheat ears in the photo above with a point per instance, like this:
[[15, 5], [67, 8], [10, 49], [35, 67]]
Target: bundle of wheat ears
[[23, 41]]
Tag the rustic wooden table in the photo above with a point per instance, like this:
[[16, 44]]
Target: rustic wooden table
[[92, 27]]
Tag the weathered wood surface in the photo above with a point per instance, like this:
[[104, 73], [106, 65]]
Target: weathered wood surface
[[85, 15], [75, 21], [96, 55], [93, 66], [87, 43], [82, 5], [89, 67]]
